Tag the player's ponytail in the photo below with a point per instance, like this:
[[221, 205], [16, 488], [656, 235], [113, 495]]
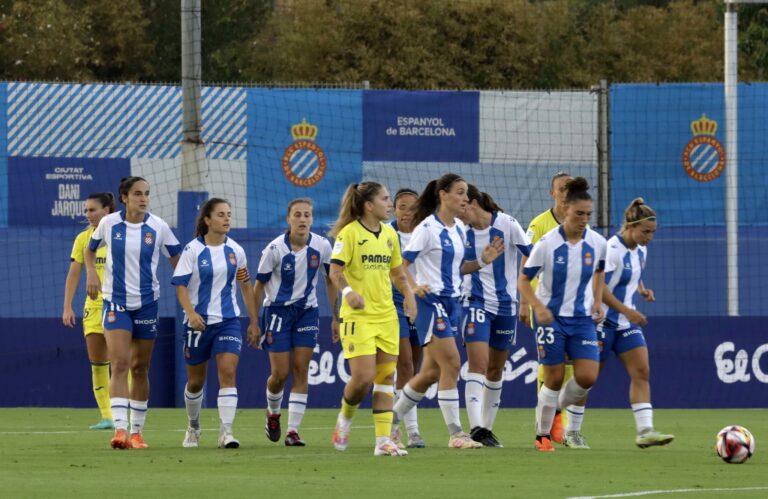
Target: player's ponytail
[[577, 190], [429, 200], [105, 199], [201, 228], [484, 200], [637, 212], [353, 204], [125, 186]]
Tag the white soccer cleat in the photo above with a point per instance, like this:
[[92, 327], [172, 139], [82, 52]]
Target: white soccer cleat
[[461, 440], [340, 437], [228, 441], [396, 437], [191, 438], [388, 448]]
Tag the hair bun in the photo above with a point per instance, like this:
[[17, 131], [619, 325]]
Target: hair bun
[[577, 184]]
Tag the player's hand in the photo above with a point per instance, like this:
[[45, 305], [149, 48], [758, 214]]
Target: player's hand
[[648, 294], [410, 309], [421, 290], [355, 300], [492, 251], [92, 286], [68, 317], [335, 337], [254, 336], [525, 314], [253, 330], [638, 318], [598, 314], [543, 315], [196, 322]]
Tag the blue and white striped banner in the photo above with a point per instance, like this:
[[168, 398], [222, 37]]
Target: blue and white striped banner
[[125, 121]]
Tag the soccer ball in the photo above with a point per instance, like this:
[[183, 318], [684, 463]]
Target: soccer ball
[[735, 444]]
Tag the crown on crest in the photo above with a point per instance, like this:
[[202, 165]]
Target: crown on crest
[[704, 126], [304, 130]]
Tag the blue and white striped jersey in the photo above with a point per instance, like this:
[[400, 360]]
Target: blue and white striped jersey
[[494, 287], [565, 283], [437, 252], [623, 271], [133, 252], [398, 298], [291, 277], [209, 273]]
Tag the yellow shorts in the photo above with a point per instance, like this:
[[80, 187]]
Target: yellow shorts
[[364, 338], [92, 321]]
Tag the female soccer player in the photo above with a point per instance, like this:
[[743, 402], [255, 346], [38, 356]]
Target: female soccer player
[[620, 332], [566, 306], [410, 349], [134, 239], [204, 280], [366, 255], [97, 206], [436, 250], [288, 272], [490, 316]]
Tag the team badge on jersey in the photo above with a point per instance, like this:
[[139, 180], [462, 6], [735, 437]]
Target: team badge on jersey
[[704, 155], [148, 239], [304, 162], [314, 262], [588, 259]]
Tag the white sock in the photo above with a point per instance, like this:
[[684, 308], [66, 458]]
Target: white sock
[[473, 398], [448, 400], [575, 417], [491, 400], [571, 393], [274, 400], [138, 414], [643, 416], [297, 404], [193, 402], [409, 398], [119, 407], [227, 404], [411, 421], [545, 410]]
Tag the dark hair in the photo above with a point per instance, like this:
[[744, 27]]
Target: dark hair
[[576, 190], [637, 211], [125, 186], [106, 199], [557, 175], [353, 204], [405, 192], [430, 197], [483, 199], [296, 201], [201, 228]]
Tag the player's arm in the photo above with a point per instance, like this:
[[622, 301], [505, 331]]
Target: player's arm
[[70, 287], [194, 319], [530, 270], [598, 286], [401, 279], [333, 301], [182, 274], [257, 297], [340, 257], [646, 293], [534, 234], [489, 254], [92, 282], [634, 316]]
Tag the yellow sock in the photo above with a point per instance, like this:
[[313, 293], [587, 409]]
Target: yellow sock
[[348, 410], [100, 380], [382, 422]]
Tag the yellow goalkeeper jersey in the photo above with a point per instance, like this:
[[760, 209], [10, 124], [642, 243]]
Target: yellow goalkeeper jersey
[[78, 255]]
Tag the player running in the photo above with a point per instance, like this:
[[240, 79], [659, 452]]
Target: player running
[[97, 206], [289, 323], [490, 315], [566, 306], [620, 332], [134, 239], [366, 256], [204, 279]]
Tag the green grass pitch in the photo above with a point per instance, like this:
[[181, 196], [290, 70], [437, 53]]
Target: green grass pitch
[[51, 453]]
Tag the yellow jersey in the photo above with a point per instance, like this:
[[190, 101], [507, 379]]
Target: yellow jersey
[[78, 255], [539, 226], [367, 258]]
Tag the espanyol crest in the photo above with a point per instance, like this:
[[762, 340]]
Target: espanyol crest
[[304, 162], [148, 239], [704, 156]]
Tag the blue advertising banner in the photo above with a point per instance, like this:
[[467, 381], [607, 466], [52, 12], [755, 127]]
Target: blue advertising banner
[[51, 191], [421, 126], [301, 143]]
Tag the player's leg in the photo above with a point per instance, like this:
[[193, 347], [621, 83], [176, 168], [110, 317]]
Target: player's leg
[[277, 323], [476, 332], [297, 400], [96, 346], [551, 351], [119, 352], [141, 354], [404, 373], [226, 363], [193, 401], [411, 418], [384, 391], [582, 347], [446, 356]]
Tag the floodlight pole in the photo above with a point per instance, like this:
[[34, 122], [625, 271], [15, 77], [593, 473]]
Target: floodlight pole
[[192, 149], [731, 154]]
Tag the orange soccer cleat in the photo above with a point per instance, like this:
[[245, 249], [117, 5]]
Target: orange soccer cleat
[[544, 444], [120, 440], [137, 442], [557, 428]]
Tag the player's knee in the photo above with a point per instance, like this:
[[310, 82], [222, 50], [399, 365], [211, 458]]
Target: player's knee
[[120, 366], [280, 373], [494, 373], [139, 370], [300, 372], [640, 373], [194, 385], [385, 374], [585, 380], [478, 366]]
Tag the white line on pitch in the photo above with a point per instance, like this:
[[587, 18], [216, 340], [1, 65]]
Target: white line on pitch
[[671, 491]]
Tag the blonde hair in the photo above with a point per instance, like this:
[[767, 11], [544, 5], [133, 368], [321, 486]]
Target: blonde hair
[[353, 204], [637, 212]]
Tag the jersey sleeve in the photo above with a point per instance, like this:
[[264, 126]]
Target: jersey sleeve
[[242, 265], [267, 263], [183, 271], [171, 246], [470, 251], [397, 258], [536, 259], [344, 246], [534, 231], [420, 241], [602, 248], [518, 238], [97, 237], [325, 256], [78, 248]]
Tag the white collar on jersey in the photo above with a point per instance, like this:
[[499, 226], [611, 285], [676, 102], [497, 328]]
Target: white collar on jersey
[[287, 240], [122, 217], [565, 238]]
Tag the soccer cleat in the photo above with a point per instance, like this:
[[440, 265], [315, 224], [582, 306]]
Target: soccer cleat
[[557, 428], [340, 437], [395, 436], [191, 438], [575, 440], [415, 441], [292, 439], [228, 441], [104, 424], [137, 442], [651, 438], [120, 440], [461, 440], [484, 436], [492, 436], [543, 443], [272, 428], [388, 448]]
